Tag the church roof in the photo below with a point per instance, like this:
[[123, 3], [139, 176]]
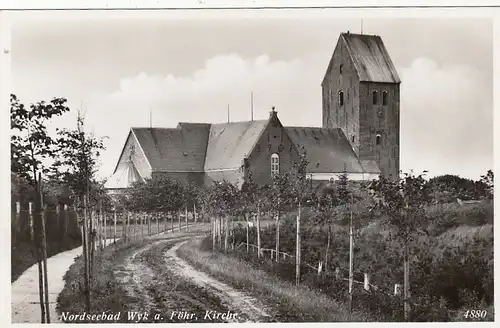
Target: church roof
[[370, 57], [178, 149], [230, 143], [327, 150]]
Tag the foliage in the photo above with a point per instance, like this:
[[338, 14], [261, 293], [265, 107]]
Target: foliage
[[76, 161], [403, 201], [223, 199], [30, 141]]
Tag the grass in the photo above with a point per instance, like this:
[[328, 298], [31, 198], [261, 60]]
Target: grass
[[22, 254], [107, 295], [289, 303]]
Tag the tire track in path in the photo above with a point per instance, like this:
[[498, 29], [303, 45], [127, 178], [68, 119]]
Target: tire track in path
[[234, 300]]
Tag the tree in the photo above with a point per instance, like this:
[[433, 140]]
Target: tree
[[31, 144], [403, 202], [488, 180], [223, 199], [76, 161]]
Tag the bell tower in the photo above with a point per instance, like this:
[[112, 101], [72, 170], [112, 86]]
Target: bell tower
[[361, 97]]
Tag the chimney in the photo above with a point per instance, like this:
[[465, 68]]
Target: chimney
[[273, 114]]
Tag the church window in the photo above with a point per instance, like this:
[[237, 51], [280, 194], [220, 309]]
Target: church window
[[378, 139], [385, 98], [375, 97], [275, 164], [341, 68], [352, 138], [341, 98]]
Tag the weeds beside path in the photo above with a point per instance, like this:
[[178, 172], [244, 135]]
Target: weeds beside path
[[285, 301]]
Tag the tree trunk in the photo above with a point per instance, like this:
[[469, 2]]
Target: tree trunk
[[172, 222], [220, 231], [351, 259], [127, 231], [179, 217], [194, 214], [258, 232], [328, 248], [214, 233], [406, 270], [226, 233], [248, 233], [297, 255], [44, 252], [114, 223], [187, 228], [277, 236], [86, 254]]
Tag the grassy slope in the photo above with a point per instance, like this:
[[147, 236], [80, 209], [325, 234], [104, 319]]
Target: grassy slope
[[289, 302]]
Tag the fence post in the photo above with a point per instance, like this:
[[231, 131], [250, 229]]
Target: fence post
[[320, 267], [397, 289], [367, 282], [30, 220], [114, 224], [337, 273], [18, 221], [66, 220]]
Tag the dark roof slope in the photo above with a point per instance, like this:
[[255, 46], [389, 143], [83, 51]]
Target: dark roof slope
[[370, 57], [230, 143], [180, 149], [328, 150]]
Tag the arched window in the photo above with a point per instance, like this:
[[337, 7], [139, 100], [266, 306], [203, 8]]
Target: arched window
[[385, 98], [375, 97], [378, 139], [275, 164], [341, 68], [352, 138], [341, 98]]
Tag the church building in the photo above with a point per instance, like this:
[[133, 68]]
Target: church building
[[360, 132]]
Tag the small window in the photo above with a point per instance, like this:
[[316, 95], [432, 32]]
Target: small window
[[341, 98], [375, 97], [352, 138], [385, 98], [378, 139], [341, 68], [275, 164]]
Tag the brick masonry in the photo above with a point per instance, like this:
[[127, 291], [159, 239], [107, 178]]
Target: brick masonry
[[360, 119]]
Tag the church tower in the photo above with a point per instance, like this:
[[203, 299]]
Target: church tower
[[361, 97]]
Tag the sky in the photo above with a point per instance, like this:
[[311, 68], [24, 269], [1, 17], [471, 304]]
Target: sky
[[119, 70]]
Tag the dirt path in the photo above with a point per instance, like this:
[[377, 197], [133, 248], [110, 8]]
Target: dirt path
[[24, 291], [25, 302], [234, 300]]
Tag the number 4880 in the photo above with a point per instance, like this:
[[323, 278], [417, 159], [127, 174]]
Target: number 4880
[[475, 314]]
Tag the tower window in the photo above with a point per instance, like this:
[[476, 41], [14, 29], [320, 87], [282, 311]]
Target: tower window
[[275, 164], [341, 69], [375, 97], [341, 98], [385, 98], [378, 139]]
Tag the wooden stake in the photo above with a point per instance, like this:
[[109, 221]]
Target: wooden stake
[[351, 256], [277, 235], [248, 234], [114, 223], [86, 253], [226, 237], [297, 255], [36, 248]]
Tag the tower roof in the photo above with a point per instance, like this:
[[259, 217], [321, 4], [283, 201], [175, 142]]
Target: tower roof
[[370, 57]]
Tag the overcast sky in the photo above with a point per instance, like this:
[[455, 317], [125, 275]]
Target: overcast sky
[[191, 69]]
